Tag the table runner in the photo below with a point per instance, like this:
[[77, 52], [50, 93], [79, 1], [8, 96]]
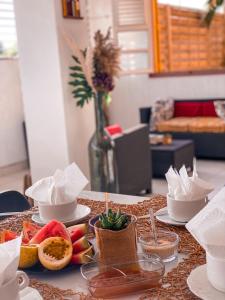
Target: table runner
[[174, 283]]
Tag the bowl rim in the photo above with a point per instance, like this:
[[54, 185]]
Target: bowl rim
[[134, 220], [205, 199], [39, 203], [167, 232], [153, 259]]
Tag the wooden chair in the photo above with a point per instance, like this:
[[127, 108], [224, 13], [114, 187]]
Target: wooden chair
[[11, 201], [27, 182]]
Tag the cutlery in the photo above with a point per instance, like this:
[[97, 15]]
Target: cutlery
[[160, 213], [15, 213]]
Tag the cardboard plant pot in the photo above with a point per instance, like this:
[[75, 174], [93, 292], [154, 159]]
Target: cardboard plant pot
[[117, 246]]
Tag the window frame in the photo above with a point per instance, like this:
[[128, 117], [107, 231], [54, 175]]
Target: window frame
[[153, 51], [135, 28]]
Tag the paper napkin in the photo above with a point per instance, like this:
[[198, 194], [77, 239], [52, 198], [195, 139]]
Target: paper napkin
[[64, 186], [183, 187], [208, 226], [9, 259]]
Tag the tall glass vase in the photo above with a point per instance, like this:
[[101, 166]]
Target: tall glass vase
[[101, 155]]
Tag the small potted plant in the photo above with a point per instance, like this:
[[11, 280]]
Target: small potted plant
[[116, 237]]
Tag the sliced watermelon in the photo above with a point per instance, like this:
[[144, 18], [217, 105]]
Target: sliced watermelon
[[7, 235], [77, 232], [53, 229], [80, 245], [29, 231], [82, 257]]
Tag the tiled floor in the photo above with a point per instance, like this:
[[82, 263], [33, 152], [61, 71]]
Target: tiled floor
[[210, 170], [13, 181]]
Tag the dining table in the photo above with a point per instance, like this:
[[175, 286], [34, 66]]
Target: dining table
[[70, 284]]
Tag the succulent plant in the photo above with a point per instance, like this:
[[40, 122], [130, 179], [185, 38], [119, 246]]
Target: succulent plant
[[113, 220]]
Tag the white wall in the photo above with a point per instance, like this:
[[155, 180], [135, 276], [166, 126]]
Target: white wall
[[133, 92], [80, 122], [58, 131], [12, 146], [41, 86]]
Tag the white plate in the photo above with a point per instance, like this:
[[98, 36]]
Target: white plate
[[30, 294], [200, 286], [82, 211], [162, 216]]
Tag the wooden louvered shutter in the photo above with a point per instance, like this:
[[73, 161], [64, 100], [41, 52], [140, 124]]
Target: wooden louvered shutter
[[185, 44], [7, 27], [132, 31]]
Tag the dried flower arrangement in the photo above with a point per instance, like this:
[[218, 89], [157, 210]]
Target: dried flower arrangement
[[96, 69], [93, 77]]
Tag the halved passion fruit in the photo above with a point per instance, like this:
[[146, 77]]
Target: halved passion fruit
[[28, 256], [55, 253]]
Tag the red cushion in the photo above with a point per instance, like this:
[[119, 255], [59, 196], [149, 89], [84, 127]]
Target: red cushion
[[194, 109], [187, 109], [208, 109], [114, 129]]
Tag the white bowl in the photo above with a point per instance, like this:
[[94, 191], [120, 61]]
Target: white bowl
[[62, 212], [184, 211], [216, 272]]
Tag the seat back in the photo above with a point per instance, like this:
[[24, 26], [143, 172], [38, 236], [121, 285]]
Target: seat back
[[133, 160], [13, 201]]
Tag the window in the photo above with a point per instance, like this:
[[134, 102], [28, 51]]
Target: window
[[163, 36], [7, 29], [132, 31]]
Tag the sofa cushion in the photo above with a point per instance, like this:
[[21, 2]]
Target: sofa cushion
[[196, 124], [220, 109], [194, 109], [208, 109], [179, 124], [207, 124], [161, 110]]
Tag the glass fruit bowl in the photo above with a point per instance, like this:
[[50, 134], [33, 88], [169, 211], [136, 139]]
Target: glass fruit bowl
[[108, 281]]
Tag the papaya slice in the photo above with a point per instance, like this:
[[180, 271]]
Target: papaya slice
[[55, 253], [53, 229], [7, 235], [29, 231]]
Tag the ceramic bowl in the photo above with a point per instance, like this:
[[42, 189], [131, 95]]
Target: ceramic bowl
[[62, 212], [184, 211]]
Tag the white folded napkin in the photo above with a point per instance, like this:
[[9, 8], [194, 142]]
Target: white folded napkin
[[184, 188], [62, 187], [9, 259], [208, 226]]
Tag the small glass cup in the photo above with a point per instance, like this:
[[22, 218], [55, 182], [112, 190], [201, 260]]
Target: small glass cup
[[166, 247]]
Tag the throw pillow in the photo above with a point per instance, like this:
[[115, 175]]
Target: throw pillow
[[220, 109], [113, 129], [162, 110]]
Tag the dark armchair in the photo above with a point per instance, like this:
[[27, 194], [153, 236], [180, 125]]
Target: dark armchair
[[133, 160]]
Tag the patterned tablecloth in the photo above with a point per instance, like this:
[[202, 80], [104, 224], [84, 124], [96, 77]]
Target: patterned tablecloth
[[174, 283]]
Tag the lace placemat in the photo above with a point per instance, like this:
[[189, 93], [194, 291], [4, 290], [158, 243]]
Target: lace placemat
[[174, 283]]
